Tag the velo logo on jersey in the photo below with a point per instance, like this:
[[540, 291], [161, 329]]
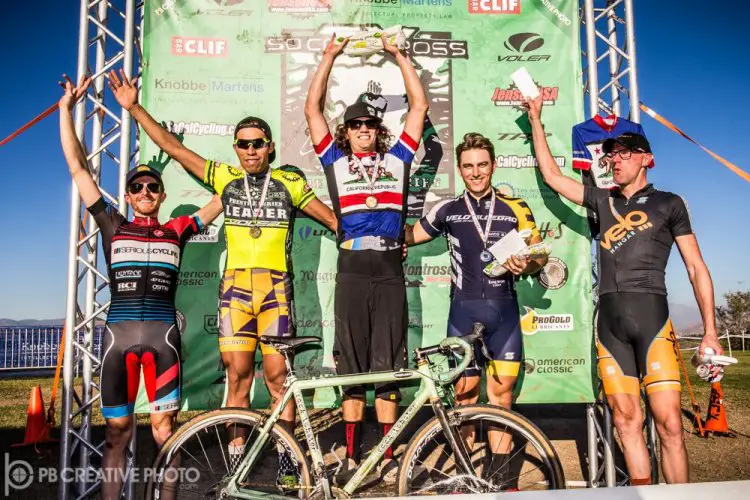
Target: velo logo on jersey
[[199, 46], [494, 6], [618, 234]]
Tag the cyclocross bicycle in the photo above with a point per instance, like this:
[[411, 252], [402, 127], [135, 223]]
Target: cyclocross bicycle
[[453, 452]]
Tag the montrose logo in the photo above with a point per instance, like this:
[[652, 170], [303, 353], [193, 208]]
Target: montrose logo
[[618, 234], [511, 96], [494, 6], [199, 47], [532, 322]]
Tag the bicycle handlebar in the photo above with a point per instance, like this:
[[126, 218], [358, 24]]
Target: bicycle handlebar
[[462, 344]]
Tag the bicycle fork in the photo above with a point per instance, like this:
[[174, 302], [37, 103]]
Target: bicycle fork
[[455, 440]]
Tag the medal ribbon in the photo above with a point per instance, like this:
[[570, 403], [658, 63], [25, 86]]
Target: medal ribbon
[[360, 166], [257, 211], [484, 235]]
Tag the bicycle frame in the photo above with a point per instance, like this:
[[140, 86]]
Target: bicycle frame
[[428, 390]]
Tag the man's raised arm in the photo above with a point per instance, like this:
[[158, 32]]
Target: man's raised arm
[[72, 148], [126, 94], [553, 176], [418, 104], [316, 94]]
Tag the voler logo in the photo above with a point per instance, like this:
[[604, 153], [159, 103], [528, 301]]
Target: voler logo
[[520, 45], [554, 274], [494, 6], [511, 96], [311, 6], [533, 322]]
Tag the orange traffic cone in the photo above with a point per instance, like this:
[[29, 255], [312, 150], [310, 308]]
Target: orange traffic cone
[[37, 429], [716, 419]]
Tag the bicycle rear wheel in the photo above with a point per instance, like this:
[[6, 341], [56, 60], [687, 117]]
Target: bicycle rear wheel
[[195, 461], [528, 461]]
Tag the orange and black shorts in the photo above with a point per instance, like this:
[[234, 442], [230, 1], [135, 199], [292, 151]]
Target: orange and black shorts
[[254, 302], [636, 342]]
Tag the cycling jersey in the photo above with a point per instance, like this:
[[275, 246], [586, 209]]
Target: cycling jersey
[[588, 138], [379, 226], [143, 260], [287, 192], [637, 236], [453, 219]]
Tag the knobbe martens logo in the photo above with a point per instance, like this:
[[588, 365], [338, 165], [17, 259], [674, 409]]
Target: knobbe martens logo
[[532, 322], [199, 46], [210, 86], [553, 365], [310, 6], [520, 45], [554, 274], [511, 96], [494, 6]]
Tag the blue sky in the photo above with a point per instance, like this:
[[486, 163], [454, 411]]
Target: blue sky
[[692, 62]]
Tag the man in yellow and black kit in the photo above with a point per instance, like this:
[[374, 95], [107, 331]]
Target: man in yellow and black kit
[[256, 290]]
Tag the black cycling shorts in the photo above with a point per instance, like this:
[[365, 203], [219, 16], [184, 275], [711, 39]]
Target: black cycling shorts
[[370, 317], [636, 341], [129, 346]]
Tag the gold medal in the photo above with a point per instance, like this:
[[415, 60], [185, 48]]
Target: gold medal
[[255, 232], [371, 202]]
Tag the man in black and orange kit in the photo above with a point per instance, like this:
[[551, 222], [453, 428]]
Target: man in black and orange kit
[[143, 261], [636, 341]]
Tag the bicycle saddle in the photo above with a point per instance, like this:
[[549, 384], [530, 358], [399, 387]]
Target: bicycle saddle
[[286, 344]]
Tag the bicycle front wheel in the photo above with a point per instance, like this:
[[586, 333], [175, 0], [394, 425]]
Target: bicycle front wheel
[[506, 451], [198, 460]]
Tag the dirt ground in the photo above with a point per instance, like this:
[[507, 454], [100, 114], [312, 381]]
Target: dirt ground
[[712, 459]]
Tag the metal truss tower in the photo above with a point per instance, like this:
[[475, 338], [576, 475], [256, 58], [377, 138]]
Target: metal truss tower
[[109, 38], [610, 81]]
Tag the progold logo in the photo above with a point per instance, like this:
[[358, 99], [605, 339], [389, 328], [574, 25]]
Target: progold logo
[[533, 322], [625, 228]]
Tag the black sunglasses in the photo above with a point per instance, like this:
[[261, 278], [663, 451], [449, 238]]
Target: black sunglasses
[[260, 143], [137, 187], [371, 124]]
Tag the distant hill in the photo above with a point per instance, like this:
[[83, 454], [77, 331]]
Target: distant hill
[[31, 322], [686, 319]]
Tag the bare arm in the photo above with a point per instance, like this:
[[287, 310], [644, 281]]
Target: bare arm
[[71, 146], [553, 177], [703, 288], [210, 211], [126, 94], [418, 104], [320, 212], [316, 94], [415, 234]]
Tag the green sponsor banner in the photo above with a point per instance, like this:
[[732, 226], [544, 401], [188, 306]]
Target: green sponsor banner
[[209, 63]]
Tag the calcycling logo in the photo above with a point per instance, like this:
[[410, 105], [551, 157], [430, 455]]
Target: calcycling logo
[[524, 161], [511, 96], [533, 322], [553, 365], [200, 128], [554, 274], [626, 227], [495, 7]]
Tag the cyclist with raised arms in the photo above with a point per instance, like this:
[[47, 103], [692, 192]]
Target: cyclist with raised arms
[[260, 204], [143, 262], [368, 180], [472, 222], [636, 341]]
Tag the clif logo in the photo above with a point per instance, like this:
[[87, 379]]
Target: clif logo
[[313, 6], [494, 6], [199, 47], [513, 97]]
